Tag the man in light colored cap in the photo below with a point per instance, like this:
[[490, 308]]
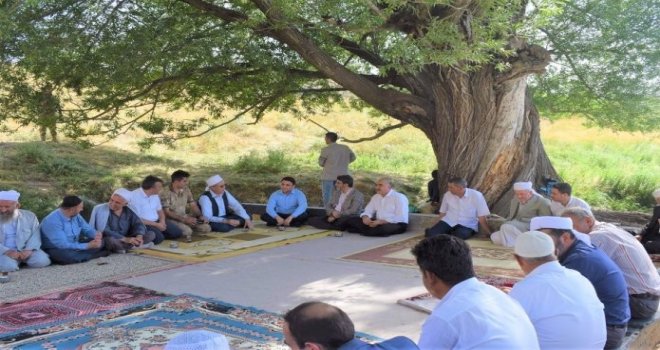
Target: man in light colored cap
[[650, 234], [628, 253], [540, 222], [525, 205], [605, 276], [181, 208], [223, 212], [121, 227], [198, 340], [561, 303], [20, 240]]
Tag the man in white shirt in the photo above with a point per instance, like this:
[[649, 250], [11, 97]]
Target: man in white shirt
[[385, 215], [562, 199], [221, 209], [461, 211], [561, 303], [470, 314], [145, 202], [629, 254]]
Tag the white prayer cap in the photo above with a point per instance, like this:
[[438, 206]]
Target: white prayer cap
[[123, 193], [552, 222], [534, 244], [213, 180], [10, 195], [198, 340], [522, 186], [656, 193]]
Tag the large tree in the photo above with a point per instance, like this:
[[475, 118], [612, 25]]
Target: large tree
[[457, 70]]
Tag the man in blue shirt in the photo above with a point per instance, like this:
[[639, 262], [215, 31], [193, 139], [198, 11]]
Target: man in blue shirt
[[598, 268], [286, 207], [320, 326]]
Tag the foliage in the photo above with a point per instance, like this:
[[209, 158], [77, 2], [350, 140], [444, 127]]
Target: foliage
[[275, 162]]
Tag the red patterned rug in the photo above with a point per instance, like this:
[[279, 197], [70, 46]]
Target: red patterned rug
[[71, 304]]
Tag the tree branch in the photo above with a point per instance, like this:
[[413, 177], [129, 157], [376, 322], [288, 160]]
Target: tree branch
[[379, 133]]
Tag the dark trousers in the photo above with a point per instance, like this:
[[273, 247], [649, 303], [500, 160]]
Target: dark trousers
[[321, 222], [443, 228], [355, 225], [615, 336], [171, 232], [643, 306], [296, 222], [223, 227], [72, 256], [652, 247]]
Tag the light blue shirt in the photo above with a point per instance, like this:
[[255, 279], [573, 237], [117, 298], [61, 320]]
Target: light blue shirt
[[294, 203], [9, 231], [207, 207], [61, 232]]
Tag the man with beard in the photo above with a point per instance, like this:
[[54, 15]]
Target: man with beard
[[20, 240]]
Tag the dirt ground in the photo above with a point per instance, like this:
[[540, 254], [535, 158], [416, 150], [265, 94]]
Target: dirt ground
[[627, 220]]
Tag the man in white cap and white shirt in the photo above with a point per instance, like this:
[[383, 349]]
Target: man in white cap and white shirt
[[561, 303], [221, 209], [628, 253], [119, 224], [198, 339], [20, 239], [525, 205]]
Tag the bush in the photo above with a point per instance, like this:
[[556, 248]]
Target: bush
[[275, 162]]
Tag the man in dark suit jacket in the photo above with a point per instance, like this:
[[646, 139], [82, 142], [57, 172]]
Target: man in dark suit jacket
[[346, 202]]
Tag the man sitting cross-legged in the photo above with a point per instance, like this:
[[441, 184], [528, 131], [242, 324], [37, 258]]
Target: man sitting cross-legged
[[286, 207], [221, 209], [119, 223], [145, 202], [385, 215], [180, 207], [346, 202]]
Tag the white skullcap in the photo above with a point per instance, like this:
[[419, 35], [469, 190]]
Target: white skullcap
[[198, 340], [123, 193], [522, 186], [10, 195], [534, 244], [656, 193], [553, 222], [213, 180]]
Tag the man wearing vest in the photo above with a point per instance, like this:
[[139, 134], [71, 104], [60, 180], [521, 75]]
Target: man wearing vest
[[221, 209]]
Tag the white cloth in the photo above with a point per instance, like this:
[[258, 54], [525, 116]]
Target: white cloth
[[557, 208], [563, 307], [393, 207], [342, 199], [123, 193], [554, 222], [198, 340], [464, 210], [507, 234], [474, 315], [522, 186], [10, 195], [628, 253], [146, 207], [534, 244], [213, 180]]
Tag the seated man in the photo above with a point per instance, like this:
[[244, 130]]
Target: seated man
[[650, 234], [180, 207], [524, 206], [562, 199], [386, 214], [286, 207], [561, 303], [20, 240], [629, 255], [598, 268], [69, 239], [471, 314], [119, 223], [145, 202], [432, 205], [319, 326], [346, 202], [221, 209], [461, 211]]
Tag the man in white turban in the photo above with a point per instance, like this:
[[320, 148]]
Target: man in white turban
[[222, 210], [20, 240], [525, 205], [198, 339]]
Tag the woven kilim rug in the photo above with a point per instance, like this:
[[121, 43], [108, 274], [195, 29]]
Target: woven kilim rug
[[216, 245], [488, 259]]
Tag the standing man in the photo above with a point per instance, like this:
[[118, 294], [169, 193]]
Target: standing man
[[334, 159], [461, 211], [286, 207], [146, 203], [346, 202], [69, 239], [180, 207], [561, 303], [598, 268], [525, 205], [628, 253], [385, 215], [119, 223], [471, 314], [20, 240], [221, 209], [562, 199]]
